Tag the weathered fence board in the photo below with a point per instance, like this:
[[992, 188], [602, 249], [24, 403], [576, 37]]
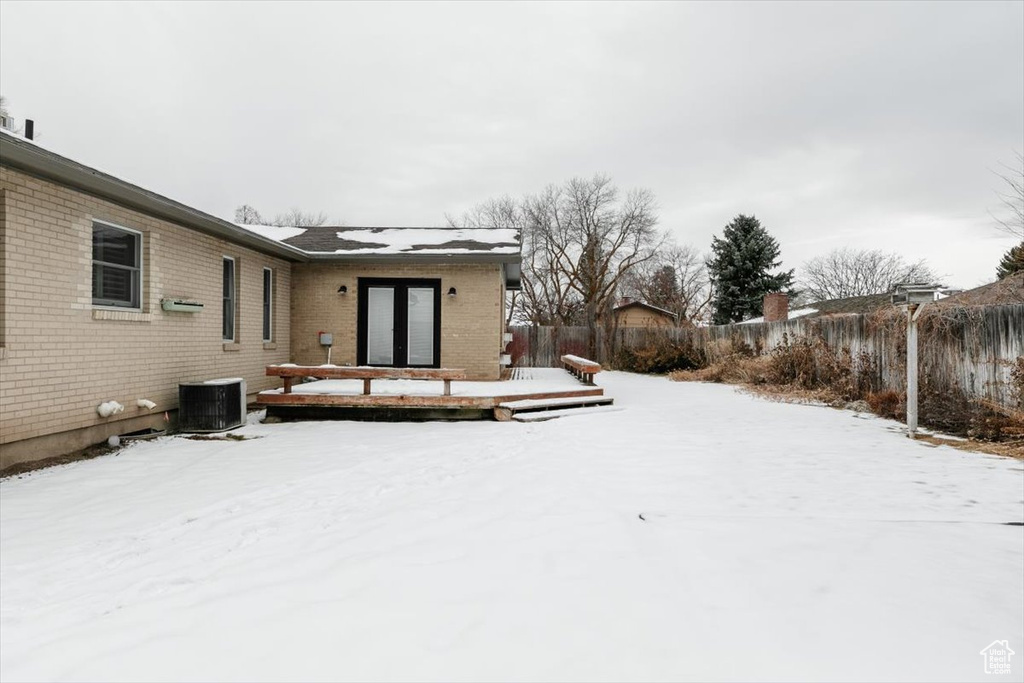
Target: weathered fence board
[[971, 349]]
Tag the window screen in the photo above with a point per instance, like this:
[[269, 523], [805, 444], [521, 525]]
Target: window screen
[[116, 266]]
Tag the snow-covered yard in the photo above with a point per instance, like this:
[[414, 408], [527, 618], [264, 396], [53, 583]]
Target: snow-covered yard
[[697, 534]]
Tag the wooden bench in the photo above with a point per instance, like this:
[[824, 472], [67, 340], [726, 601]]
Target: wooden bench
[[289, 372], [581, 368]]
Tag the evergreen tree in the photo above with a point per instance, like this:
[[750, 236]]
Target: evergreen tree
[[739, 268], [664, 289], [1012, 263]]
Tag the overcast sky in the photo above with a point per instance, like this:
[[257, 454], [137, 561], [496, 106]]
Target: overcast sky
[[870, 125]]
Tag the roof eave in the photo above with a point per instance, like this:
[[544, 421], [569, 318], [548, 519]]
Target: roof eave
[[412, 257], [42, 163]]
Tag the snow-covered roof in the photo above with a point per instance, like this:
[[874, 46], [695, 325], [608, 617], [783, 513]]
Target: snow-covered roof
[[361, 241], [277, 233], [796, 313]]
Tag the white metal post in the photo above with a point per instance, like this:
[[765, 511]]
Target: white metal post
[[912, 370]]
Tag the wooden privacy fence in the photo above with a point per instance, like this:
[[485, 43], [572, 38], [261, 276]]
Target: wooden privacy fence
[[970, 348]]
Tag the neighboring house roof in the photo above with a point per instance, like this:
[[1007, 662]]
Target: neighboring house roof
[[455, 245], [344, 243], [1009, 290], [852, 304], [640, 304]]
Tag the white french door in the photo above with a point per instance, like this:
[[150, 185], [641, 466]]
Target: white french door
[[420, 326]]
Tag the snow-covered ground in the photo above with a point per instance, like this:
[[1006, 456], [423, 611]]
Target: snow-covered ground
[[698, 534]]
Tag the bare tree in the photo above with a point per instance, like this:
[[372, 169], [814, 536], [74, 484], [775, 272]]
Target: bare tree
[[676, 279], [580, 240], [295, 218], [849, 272], [593, 239], [1012, 197], [546, 296], [247, 214]]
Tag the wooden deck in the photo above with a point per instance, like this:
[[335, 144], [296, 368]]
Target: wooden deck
[[467, 399]]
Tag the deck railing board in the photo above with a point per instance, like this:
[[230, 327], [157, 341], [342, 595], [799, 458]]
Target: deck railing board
[[288, 373]]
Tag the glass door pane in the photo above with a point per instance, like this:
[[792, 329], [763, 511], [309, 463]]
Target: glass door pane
[[380, 326], [421, 326]]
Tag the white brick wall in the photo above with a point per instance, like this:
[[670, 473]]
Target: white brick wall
[[60, 357]]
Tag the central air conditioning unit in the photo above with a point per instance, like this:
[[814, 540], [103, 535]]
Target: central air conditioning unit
[[215, 405]]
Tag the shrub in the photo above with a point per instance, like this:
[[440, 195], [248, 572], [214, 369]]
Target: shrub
[[1017, 382], [658, 357], [810, 363], [734, 369], [954, 412], [808, 367], [886, 404]]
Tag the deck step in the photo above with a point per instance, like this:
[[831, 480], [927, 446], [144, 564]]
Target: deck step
[[514, 409], [541, 416], [550, 403]]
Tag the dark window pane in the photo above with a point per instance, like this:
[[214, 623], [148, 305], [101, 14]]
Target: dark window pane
[[115, 270], [111, 245], [229, 320], [228, 324], [267, 279], [229, 279], [116, 284]]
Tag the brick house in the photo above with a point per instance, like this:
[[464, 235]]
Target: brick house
[[403, 297], [89, 263]]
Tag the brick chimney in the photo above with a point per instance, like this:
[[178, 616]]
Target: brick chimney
[[776, 307]]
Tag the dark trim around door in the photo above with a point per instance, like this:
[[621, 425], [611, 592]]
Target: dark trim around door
[[400, 340]]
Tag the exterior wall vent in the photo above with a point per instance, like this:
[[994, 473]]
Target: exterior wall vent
[[215, 405]]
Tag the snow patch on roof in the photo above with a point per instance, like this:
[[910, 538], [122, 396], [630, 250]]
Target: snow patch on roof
[[797, 313], [273, 232], [429, 240]]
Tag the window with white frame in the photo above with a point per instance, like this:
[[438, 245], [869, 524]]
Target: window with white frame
[[268, 305], [230, 289], [116, 266]]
